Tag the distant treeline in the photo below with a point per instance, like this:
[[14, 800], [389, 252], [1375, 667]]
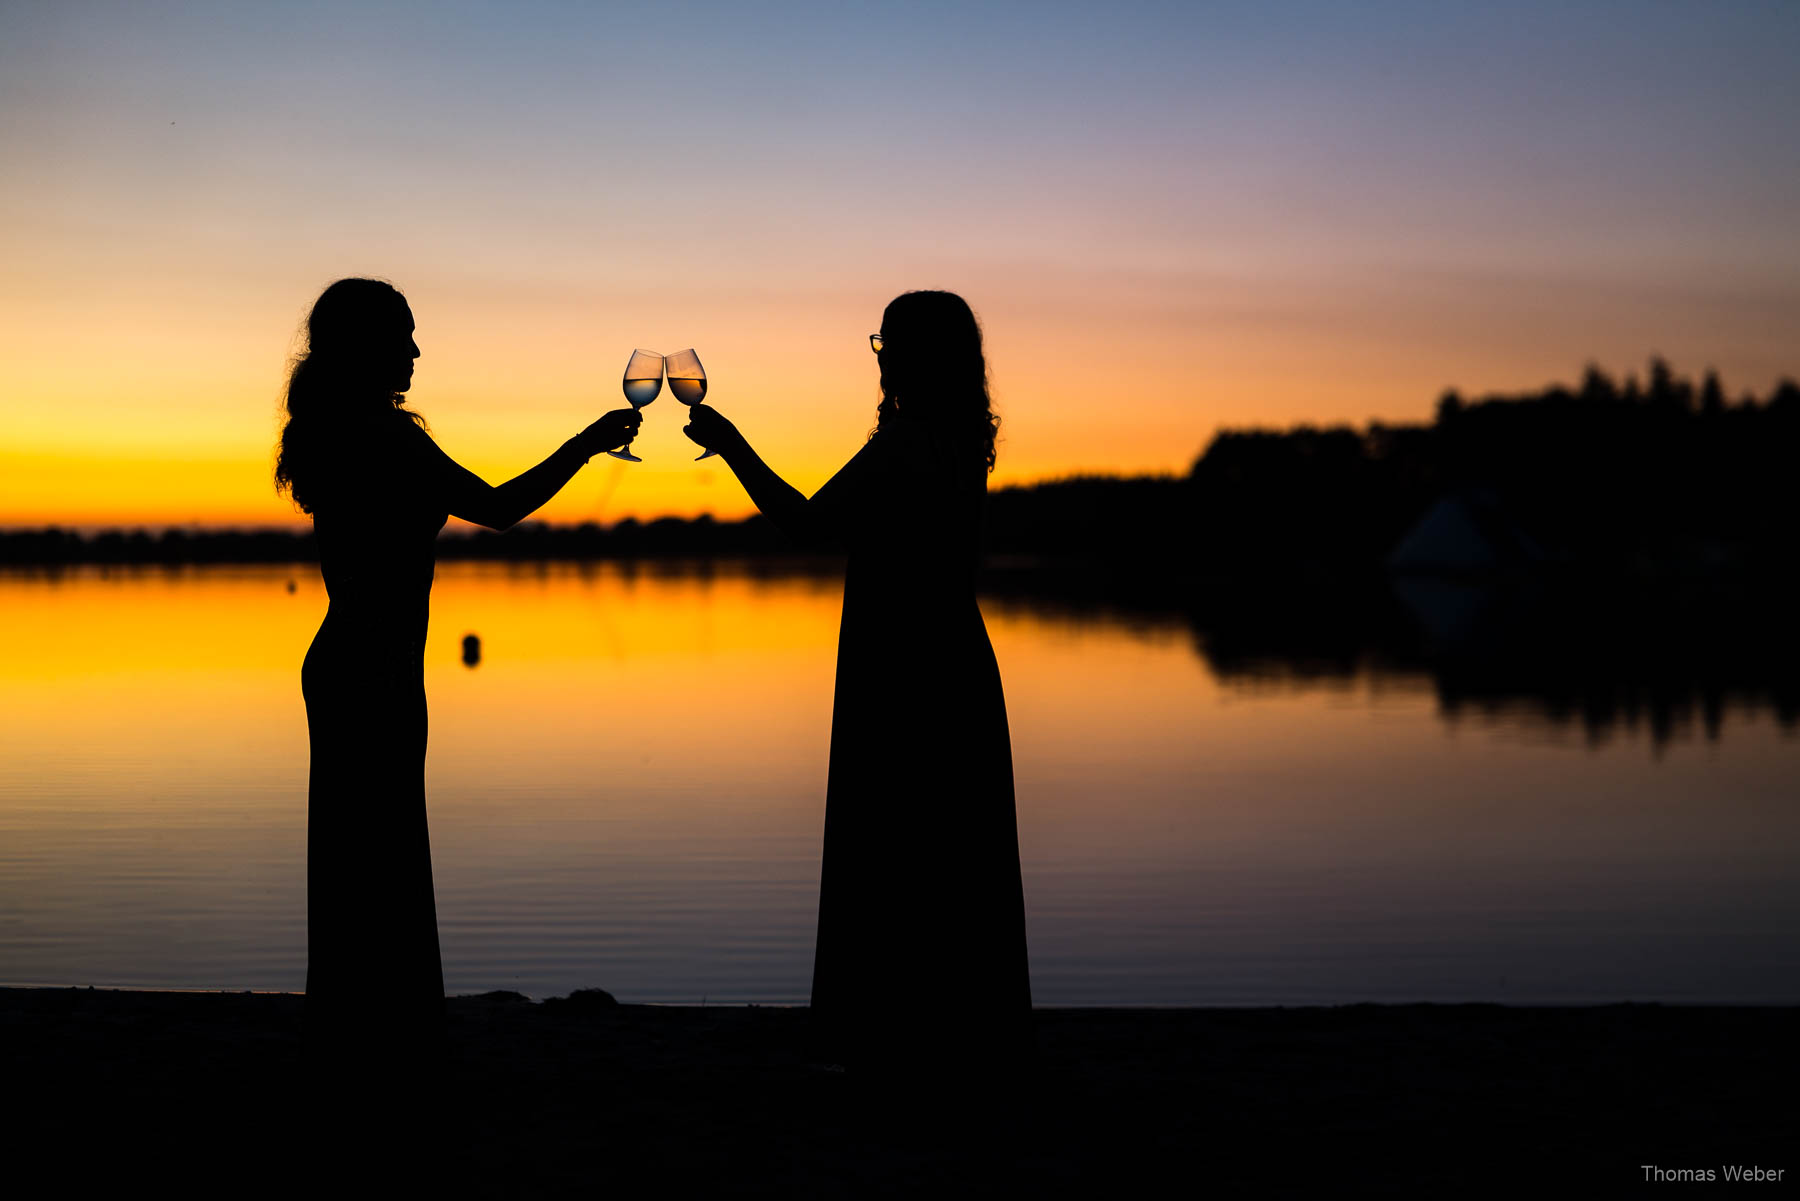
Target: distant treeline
[[667, 536], [1645, 479], [1660, 476]]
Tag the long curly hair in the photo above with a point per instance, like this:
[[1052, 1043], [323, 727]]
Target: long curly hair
[[342, 381], [933, 369]]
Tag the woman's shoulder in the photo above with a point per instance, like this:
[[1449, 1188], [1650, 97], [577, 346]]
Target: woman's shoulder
[[401, 434], [408, 425], [907, 436], [377, 451], [921, 448], [380, 429]]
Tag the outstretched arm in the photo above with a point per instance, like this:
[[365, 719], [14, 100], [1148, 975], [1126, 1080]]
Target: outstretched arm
[[813, 522], [500, 507]]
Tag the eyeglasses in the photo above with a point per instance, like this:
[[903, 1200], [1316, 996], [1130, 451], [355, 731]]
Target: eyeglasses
[[875, 343]]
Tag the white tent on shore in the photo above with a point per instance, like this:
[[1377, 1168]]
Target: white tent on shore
[[1466, 534]]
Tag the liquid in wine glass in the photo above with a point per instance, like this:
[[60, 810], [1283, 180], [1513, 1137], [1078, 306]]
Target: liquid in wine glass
[[643, 380], [687, 380]]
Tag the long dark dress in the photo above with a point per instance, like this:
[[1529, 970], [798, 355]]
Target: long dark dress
[[921, 942], [374, 980]]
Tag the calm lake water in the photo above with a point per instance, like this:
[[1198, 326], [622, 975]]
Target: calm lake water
[[627, 792]]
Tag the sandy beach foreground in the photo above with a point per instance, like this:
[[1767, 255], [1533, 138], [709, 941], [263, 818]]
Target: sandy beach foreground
[[196, 1089]]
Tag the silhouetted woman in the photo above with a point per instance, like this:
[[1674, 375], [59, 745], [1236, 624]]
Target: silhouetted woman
[[379, 490], [921, 944]]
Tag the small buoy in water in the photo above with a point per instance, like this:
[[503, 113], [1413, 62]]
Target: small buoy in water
[[471, 650], [293, 587]]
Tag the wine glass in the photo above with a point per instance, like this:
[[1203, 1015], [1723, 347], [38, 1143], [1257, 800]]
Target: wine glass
[[643, 380], [687, 382]]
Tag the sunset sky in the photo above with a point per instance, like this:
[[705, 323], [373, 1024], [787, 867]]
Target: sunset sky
[[1170, 218]]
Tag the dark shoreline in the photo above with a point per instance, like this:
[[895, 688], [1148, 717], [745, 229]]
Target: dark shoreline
[[678, 1101]]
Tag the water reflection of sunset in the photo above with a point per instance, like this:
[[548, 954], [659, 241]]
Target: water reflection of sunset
[[628, 791]]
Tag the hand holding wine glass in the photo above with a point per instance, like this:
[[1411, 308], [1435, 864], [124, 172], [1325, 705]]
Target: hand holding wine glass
[[643, 380], [614, 430], [710, 428], [687, 380]]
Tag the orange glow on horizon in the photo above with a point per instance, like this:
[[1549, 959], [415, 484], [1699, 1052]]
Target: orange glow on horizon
[[172, 419]]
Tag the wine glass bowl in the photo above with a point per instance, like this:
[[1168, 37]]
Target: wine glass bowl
[[643, 380], [687, 383]]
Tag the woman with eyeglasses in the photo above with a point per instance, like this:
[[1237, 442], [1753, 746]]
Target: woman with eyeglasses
[[921, 940]]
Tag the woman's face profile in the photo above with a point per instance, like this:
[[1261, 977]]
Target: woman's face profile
[[892, 359], [404, 361]]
